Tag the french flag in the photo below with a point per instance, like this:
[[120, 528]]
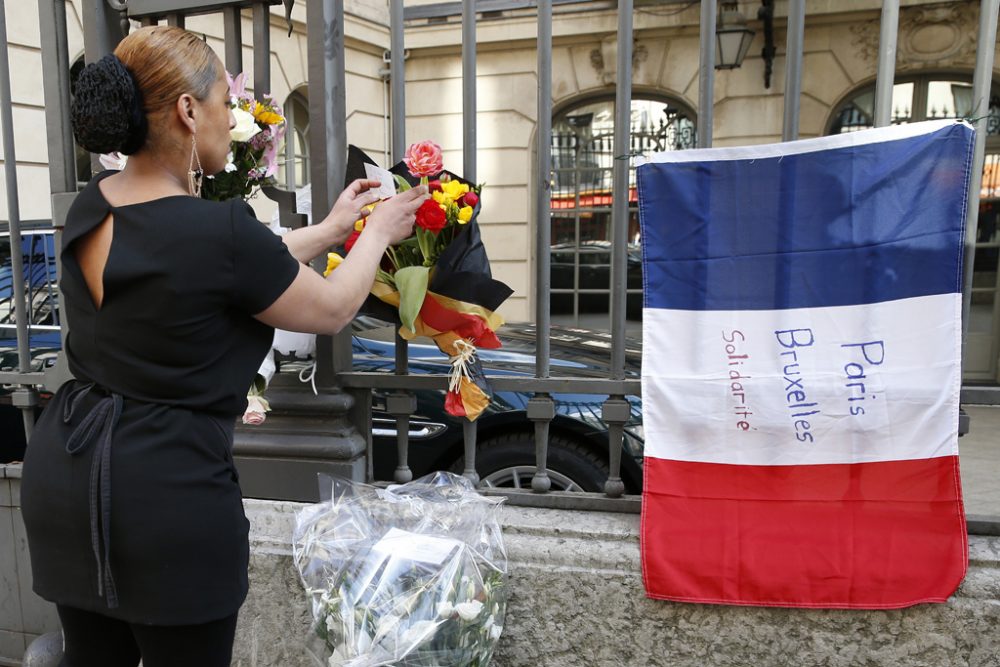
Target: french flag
[[802, 367]]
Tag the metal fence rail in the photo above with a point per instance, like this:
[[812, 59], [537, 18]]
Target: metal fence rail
[[103, 22]]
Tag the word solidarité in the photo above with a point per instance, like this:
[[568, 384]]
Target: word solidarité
[[736, 377]]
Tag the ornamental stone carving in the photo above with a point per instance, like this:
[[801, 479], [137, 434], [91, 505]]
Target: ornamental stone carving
[[604, 59], [929, 36]]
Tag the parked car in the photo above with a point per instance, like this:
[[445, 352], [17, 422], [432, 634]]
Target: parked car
[[594, 274], [578, 438]]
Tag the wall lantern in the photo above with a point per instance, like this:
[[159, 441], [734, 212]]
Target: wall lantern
[[732, 37]]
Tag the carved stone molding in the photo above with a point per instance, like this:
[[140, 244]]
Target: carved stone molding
[[938, 35], [605, 58], [864, 39], [930, 36]]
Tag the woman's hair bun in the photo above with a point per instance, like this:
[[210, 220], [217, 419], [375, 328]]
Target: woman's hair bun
[[107, 113]]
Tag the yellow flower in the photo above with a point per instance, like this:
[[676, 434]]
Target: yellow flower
[[333, 260], [464, 214], [454, 189], [440, 197], [264, 115], [359, 225]]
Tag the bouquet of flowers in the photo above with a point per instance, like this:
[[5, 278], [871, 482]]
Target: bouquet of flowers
[[253, 156], [413, 575], [439, 279]]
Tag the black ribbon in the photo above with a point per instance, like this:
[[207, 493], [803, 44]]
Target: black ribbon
[[97, 428]]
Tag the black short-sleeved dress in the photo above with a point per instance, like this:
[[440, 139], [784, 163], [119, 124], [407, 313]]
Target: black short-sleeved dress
[[129, 494]]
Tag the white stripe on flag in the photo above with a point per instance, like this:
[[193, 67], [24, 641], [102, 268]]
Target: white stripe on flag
[[847, 384]]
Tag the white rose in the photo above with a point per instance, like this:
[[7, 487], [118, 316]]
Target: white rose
[[495, 632], [445, 609], [469, 610], [246, 126], [418, 633]]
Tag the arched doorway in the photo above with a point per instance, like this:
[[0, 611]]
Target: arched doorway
[[583, 158]]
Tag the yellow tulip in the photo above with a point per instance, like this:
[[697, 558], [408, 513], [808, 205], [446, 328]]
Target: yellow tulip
[[454, 189], [464, 214], [333, 260], [440, 197]]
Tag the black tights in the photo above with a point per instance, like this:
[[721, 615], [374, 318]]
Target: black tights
[[93, 640]]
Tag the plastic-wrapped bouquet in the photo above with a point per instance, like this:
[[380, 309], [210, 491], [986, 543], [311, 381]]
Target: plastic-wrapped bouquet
[[413, 575]]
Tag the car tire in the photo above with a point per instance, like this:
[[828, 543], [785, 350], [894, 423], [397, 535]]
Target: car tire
[[508, 461]]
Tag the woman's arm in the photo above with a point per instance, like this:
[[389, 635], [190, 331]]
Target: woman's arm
[[309, 242], [314, 304]]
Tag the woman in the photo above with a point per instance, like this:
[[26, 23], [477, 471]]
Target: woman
[[130, 498]]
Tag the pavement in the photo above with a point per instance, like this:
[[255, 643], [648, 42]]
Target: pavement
[[979, 460]]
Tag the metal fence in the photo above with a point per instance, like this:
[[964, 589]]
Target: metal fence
[[104, 21]]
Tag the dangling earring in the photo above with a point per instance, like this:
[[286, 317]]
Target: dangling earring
[[195, 172]]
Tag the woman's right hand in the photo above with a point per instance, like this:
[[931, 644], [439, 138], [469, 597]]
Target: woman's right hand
[[393, 219]]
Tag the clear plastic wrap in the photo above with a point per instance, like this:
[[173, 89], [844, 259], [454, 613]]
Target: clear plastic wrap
[[412, 575]]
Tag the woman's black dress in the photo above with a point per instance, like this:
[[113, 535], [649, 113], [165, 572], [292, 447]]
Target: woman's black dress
[[129, 494]]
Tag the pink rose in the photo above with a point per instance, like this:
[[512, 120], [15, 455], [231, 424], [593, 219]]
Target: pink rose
[[424, 159], [256, 412], [251, 418]]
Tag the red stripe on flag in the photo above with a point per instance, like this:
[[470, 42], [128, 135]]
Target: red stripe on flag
[[865, 535]]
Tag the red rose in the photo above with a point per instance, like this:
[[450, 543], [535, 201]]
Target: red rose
[[424, 159], [351, 240], [471, 199], [431, 217]]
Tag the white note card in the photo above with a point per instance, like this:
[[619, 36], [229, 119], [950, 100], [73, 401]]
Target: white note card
[[417, 547], [383, 176]]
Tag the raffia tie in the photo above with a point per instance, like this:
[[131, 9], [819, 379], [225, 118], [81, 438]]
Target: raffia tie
[[460, 364]]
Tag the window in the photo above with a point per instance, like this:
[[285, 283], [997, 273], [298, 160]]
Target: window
[[293, 169], [924, 98], [582, 149]]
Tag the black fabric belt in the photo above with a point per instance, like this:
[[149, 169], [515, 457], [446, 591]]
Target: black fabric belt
[[97, 428]]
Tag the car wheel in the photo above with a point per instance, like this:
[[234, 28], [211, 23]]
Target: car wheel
[[508, 461]]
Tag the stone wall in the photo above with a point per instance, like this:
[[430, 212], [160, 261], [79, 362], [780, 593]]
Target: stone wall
[[23, 615], [577, 600]]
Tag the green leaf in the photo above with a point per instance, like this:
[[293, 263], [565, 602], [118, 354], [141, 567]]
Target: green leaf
[[412, 285], [401, 183]]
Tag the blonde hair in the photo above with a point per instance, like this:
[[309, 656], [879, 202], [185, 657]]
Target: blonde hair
[[166, 62]]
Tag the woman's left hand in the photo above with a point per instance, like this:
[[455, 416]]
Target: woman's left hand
[[349, 208]]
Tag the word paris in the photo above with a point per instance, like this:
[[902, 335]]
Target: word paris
[[792, 347]]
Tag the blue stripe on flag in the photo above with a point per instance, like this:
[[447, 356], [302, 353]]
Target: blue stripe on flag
[[855, 225]]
